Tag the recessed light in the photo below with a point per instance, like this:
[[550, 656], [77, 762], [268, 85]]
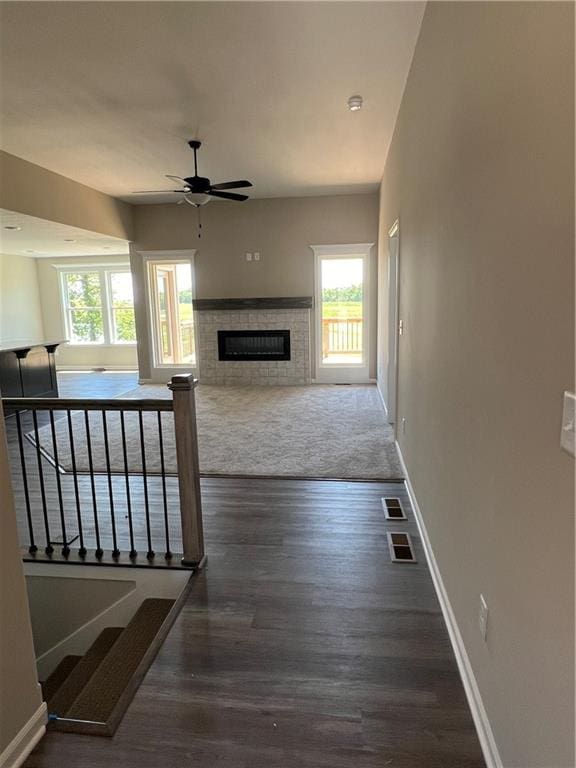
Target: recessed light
[[10, 226], [355, 103]]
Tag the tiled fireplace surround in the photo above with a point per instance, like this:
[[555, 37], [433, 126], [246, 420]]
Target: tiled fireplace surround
[[265, 314]]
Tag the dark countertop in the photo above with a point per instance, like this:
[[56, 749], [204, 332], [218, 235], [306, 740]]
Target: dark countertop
[[12, 347]]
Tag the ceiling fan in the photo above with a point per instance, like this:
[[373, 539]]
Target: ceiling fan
[[197, 190]]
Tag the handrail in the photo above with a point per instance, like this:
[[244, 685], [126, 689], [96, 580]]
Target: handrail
[[82, 404], [101, 477]]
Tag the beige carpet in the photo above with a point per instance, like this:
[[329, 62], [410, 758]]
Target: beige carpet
[[311, 431]]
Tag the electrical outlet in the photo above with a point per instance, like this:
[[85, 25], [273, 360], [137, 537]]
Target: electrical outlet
[[483, 618], [403, 425], [248, 257], [257, 256]]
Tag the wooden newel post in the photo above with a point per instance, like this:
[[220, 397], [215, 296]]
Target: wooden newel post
[[182, 387]]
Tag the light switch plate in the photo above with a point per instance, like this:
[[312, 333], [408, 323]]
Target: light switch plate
[[568, 433]]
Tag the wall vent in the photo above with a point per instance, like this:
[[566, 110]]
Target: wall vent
[[393, 508], [400, 546]]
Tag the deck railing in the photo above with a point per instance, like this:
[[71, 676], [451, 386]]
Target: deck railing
[[111, 480], [187, 339], [341, 335]]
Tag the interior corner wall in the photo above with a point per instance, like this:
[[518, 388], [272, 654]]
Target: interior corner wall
[[281, 229], [481, 176], [20, 310], [20, 698], [78, 356]]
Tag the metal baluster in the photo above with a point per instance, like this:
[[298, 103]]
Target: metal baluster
[[82, 551], [65, 547], [168, 554], [150, 554], [99, 551], [133, 552], [115, 551], [49, 549], [32, 548]]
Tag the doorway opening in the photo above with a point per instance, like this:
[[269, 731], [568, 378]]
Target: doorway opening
[[393, 320], [171, 293], [342, 290]]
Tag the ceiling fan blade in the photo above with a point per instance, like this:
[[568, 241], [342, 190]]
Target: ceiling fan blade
[[178, 180], [157, 191], [232, 184], [226, 195]]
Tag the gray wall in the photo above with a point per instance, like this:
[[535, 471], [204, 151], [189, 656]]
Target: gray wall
[[20, 309], [61, 605], [19, 690], [481, 176], [281, 229]]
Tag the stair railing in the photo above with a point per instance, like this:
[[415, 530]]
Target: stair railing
[[108, 481]]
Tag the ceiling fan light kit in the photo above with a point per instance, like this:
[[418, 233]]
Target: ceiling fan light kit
[[355, 103]]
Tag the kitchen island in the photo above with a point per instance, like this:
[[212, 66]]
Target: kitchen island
[[28, 369]]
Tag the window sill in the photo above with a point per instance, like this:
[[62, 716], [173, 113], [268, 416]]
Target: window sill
[[74, 345]]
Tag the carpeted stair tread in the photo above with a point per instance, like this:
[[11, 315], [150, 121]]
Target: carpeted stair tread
[[58, 676], [83, 671], [100, 696]]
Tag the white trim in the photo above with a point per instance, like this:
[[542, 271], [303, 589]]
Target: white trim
[[98, 368], [393, 320], [351, 373], [106, 307], [26, 739], [343, 249], [187, 255], [479, 715]]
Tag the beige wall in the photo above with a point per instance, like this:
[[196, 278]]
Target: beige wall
[[59, 606], [481, 176], [20, 311], [36, 191], [20, 696], [282, 230], [114, 356]]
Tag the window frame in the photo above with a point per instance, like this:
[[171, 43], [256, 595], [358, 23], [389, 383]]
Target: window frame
[[105, 273]]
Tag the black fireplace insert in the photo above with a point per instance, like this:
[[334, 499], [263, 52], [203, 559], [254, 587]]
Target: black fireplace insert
[[254, 345]]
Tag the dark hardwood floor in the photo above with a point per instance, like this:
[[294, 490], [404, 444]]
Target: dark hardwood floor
[[96, 383], [301, 645]]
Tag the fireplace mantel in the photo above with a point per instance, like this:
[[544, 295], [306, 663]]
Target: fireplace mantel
[[282, 302]]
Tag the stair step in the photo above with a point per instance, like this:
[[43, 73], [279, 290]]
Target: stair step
[[83, 671], [58, 676], [96, 702]]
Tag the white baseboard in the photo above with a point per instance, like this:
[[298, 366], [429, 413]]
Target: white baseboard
[[25, 740], [483, 727]]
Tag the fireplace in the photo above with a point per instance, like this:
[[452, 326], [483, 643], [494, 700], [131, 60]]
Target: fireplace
[[254, 345]]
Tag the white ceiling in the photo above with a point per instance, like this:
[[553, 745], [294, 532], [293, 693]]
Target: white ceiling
[[39, 238], [109, 93]]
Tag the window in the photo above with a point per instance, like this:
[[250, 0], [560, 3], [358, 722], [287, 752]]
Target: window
[[99, 306]]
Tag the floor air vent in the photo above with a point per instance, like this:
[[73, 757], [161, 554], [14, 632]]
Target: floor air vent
[[400, 545], [393, 509]]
